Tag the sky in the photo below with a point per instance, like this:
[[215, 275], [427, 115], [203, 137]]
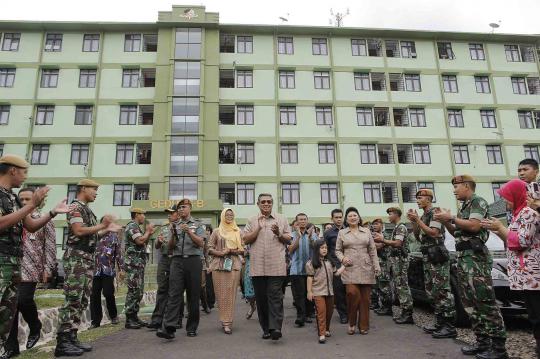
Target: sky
[[514, 16]]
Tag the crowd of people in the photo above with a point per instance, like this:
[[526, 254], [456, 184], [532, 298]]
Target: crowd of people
[[352, 266]]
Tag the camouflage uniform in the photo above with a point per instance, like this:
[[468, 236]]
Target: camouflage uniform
[[10, 262], [163, 271], [437, 275], [399, 268], [134, 263], [384, 290], [474, 274], [78, 263]]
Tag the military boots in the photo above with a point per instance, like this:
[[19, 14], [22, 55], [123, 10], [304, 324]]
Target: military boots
[[64, 346], [482, 344]]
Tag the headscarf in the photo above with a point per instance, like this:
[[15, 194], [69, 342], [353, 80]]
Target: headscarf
[[230, 231], [515, 191]]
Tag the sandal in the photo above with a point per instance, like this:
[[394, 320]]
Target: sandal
[[351, 331], [364, 332], [322, 339], [328, 334], [227, 330]]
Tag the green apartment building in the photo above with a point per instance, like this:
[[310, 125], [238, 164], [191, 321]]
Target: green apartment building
[[321, 117]]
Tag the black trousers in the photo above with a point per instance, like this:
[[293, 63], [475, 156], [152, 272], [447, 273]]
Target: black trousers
[[27, 307], [304, 308], [532, 302], [269, 298], [210, 295], [162, 293], [103, 284], [185, 274], [340, 298]]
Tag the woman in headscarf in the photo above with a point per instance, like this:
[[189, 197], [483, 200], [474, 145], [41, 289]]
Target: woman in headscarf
[[522, 239], [225, 247]]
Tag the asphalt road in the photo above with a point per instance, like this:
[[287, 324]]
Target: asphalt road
[[385, 340]]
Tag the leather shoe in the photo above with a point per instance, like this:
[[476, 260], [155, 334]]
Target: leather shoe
[[266, 335], [165, 334], [299, 323], [9, 353], [191, 334], [154, 326], [115, 321], [32, 340], [343, 320], [275, 334]]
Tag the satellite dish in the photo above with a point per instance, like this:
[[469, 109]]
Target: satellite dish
[[283, 19], [494, 25]]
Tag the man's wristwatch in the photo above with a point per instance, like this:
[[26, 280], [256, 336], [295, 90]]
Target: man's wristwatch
[[52, 213]]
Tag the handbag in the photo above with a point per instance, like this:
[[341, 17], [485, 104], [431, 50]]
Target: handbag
[[227, 264]]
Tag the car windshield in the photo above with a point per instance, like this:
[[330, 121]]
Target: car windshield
[[494, 243]]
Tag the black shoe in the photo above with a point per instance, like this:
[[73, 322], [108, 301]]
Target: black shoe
[[266, 335], [154, 326], [482, 344], [165, 334], [75, 341], [343, 319], [275, 334], [115, 321], [94, 326], [447, 330], [308, 320], [384, 311], [132, 323], [64, 346], [32, 340], [178, 325], [191, 334], [299, 323], [497, 350], [10, 353], [405, 318], [141, 323]]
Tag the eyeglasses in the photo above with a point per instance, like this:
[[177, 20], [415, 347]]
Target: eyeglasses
[[266, 201]]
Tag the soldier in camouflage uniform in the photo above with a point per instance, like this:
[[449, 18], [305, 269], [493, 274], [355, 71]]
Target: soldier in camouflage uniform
[[13, 218], [399, 265], [383, 292], [474, 264], [78, 260], [134, 263], [436, 263]]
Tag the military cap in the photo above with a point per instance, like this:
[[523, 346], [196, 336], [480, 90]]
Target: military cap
[[425, 192], [14, 160], [377, 220], [462, 179], [171, 209], [394, 209], [137, 210], [87, 183], [183, 202]]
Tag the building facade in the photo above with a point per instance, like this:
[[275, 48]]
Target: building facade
[[320, 117]]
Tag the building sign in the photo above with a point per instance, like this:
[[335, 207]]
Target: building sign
[[189, 14], [166, 203]]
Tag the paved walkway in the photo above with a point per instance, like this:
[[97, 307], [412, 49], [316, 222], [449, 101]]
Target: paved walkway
[[385, 340]]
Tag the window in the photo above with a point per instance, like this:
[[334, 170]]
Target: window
[[7, 77], [286, 79], [368, 154], [183, 187], [185, 115], [408, 192], [44, 114], [90, 43], [488, 118], [519, 86], [49, 78], [392, 48], [287, 115], [124, 153], [461, 154], [405, 154], [1, 149], [327, 153], [245, 44], [482, 84], [148, 78], [289, 153], [226, 78], [87, 78], [529, 119], [533, 85], [455, 118], [372, 193], [527, 53], [396, 82], [386, 154], [122, 195], [427, 185], [512, 53], [227, 193], [389, 191], [417, 117], [329, 193], [244, 115], [79, 154], [184, 157], [323, 115], [378, 81], [226, 43], [146, 115], [132, 42], [246, 153], [374, 47], [150, 42], [53, 43], [290, 193], [319, 46], [364, 116], [445, 50], [130, 78], [285, 45], [495, 187], [408, 49], [226, 153], [477, 51], [128, 115], [322, 79], [531, 151], [245, 193], [421, 154], [361, 81], [450, 83], [11, 41], [83, 114], [71, 193], [142, 192], [382, 117], [188, 46], [358, 47], [40, 154], [244, 78], [4, 114], [226, 115], [400, 117], [144, 153], [494, 154]]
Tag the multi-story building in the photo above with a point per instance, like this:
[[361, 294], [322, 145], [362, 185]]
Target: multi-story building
[[320, 117]]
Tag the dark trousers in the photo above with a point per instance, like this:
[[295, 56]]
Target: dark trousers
[[27, 307], [532, 302], [185, 275], [210, 295], [269, 298], [340, 297], [162, 293], [101, 284], [304, 307]]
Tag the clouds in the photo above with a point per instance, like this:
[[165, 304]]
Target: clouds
[[518, 16]]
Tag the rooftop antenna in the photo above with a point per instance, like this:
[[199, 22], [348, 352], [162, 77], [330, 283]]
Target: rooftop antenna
[[494, 25], [284, 19], [337, 18]]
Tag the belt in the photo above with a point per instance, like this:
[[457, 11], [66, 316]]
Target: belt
[[11, 250], [79, 253], [188, 256], [463, 246]]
